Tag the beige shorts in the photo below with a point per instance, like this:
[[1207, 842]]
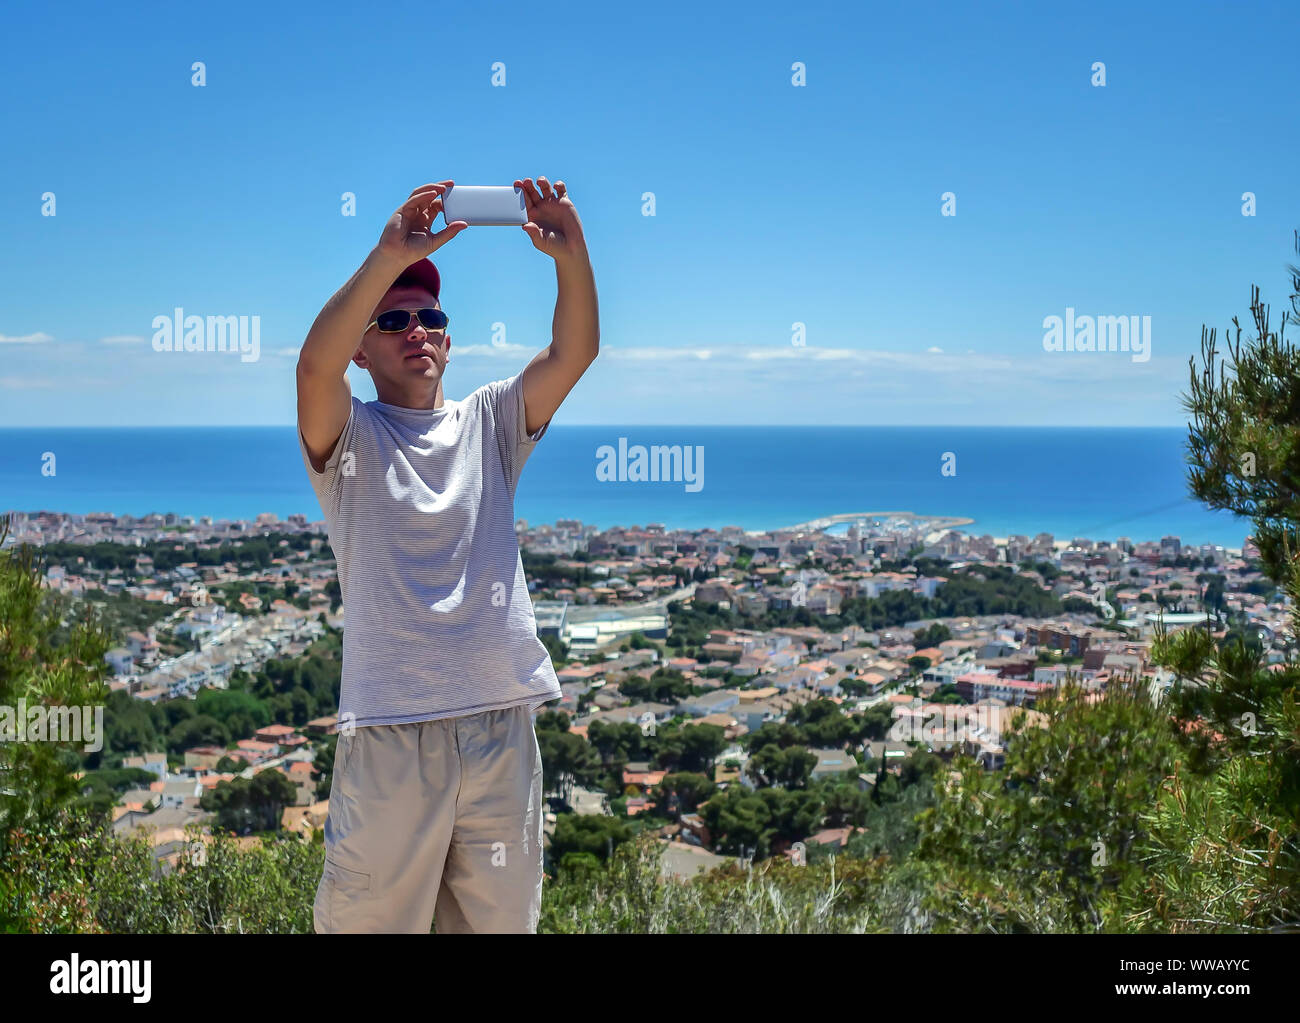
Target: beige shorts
[[435, 819]]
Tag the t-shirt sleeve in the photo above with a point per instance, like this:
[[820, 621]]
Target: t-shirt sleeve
[[505, 399], [328, 484]]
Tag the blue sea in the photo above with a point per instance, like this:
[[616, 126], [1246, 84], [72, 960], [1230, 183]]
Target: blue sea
[[1100, 483]]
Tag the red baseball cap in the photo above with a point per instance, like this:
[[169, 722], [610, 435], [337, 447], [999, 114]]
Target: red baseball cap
[[421, 273]]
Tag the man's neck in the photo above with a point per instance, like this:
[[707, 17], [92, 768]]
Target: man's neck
[[417, 397]]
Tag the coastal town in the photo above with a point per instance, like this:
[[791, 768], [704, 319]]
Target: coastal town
[[652, 631]]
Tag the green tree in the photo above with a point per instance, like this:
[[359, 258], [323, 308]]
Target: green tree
[[682, 792], [1226, 834], [559, 651], [788, 768], [1050, 843], [251, 804], [567, 759], [1244, 435], [36, 777], [597, 835], [931, 636]]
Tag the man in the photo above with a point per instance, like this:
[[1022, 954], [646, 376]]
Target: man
[[436, 801]]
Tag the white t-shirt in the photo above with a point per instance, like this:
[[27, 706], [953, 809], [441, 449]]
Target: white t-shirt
[[420, 507]]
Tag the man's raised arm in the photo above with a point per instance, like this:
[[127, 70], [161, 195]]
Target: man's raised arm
[[324, 397], [555, 229]]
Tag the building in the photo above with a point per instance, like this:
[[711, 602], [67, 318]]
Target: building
[[121, 660], [1072, 641], [979, 686], [154, 763], [301, 773], [833, 763], [723, 700]]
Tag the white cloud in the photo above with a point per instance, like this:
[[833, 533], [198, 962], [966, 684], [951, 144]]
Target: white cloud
[[688, 383], [25, 339], [833, 386], [23, 383], [656, 354], [1032, 364]]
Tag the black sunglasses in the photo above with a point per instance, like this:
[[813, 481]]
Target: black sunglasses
[[396, 320]]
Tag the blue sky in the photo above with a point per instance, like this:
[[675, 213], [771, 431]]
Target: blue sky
[[775, 204]]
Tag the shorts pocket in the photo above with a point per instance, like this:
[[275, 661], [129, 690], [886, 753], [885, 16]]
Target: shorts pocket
[[339, 902], [345, 879], [343, 750]]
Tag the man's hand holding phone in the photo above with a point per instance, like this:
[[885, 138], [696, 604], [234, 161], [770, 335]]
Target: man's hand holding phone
[[553, 223], [409, 233], [547, 215]]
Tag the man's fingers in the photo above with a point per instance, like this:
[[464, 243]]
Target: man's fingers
[[534, 196], [424, 188], [448, 233], [537, 236], [422, 196], [422, 200], [420, 214], [530, 190]]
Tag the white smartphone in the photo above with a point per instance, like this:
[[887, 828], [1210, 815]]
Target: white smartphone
[[484, 205]]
